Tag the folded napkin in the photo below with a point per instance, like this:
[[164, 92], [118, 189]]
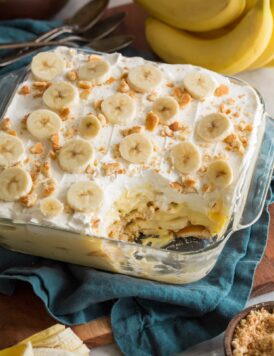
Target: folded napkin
[[148, 318]]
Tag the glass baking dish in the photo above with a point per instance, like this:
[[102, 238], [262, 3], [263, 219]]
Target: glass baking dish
[[187, 261]]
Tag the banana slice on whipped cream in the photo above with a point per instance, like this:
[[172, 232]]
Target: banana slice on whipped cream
[[186, 157], [96, 72], [144, 78], [60, 95], [46, 66], [11, 150], [119, 108], [42, 124], [85, 196], [75, 156], [199, 85], [136, 148], [214, 127], [15, 183], [51, 207]]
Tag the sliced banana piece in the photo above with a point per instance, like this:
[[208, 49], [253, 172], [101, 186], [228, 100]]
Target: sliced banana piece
[[119, 108], [96, 72], [15, 183], [60, 95], [199, 85], [75, 156], [90, 127], [165, 108], [42, 124], [51, 207], [220, 173], [11, 150], [136, 148], [85, 196], [214, 127], [47, 65], [186, 157], [144, 78]]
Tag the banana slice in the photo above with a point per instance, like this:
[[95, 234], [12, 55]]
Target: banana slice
[[95, 72], [51, 207], [85, 196], [199, 85], [186, 157], [15, 183], [144, 78], [75, 156], [119, 108], [60, 95], [90, 126], [220, 173], [47, 65], [136, 148], [42, 124], [213, 127], [165, 108], [11, 150]]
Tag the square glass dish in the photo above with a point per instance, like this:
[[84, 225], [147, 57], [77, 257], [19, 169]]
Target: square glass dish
[[172, 258]]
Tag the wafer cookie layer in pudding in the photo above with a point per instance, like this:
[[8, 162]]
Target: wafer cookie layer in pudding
[[124, 148]]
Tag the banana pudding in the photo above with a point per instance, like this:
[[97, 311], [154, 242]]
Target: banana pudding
[[127, 149]]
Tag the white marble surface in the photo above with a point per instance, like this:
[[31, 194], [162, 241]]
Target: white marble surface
[[263, 80]]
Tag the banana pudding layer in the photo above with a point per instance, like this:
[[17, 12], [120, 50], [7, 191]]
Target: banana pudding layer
[[124, 148]]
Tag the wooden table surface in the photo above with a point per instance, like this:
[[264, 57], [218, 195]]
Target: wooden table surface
[[23, 314]]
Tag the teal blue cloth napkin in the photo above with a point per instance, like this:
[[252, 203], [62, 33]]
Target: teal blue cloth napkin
[[148, 318]]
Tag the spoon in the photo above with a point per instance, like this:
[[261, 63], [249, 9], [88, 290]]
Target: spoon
[[80, 22], [109, 44], [105, 27], [99, 43], [100, 30]]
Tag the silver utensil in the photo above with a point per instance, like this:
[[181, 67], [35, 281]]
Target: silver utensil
[[100, 30], [105, 26], [85, 18], [99, 43], [111, 44], [108, 44]]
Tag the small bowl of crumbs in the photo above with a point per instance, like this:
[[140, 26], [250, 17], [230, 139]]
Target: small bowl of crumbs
[[251, 332]]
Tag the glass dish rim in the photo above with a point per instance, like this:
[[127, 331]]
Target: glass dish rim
[[22, 72]]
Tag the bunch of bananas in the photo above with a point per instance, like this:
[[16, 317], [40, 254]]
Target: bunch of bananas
[[227, 36]]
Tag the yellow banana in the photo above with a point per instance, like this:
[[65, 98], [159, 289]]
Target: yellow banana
[[249, 4], [194, 15], [44, 334], [268, 54], [18, 350], [227, 54], [269, 64], [224, 30]]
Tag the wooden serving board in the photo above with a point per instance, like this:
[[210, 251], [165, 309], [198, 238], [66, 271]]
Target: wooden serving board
[[23, 314]]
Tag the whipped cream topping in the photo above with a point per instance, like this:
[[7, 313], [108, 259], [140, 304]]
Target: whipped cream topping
[[241, 104]]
